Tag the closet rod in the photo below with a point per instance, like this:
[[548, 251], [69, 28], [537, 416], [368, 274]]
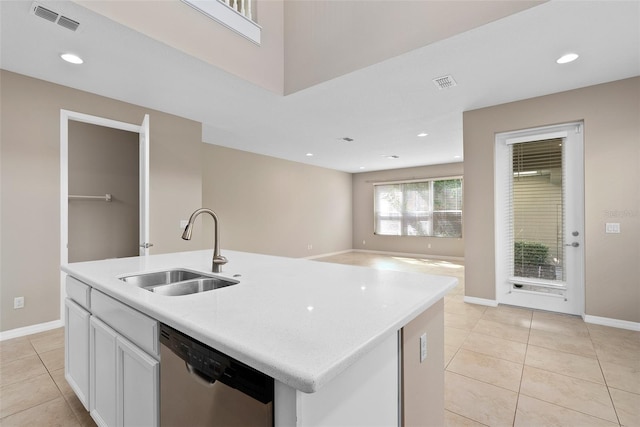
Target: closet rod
[[107, 197]]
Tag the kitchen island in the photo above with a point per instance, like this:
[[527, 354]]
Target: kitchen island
[[304, 323]]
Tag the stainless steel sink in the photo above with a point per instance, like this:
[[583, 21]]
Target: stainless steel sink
[[192, 286], [160, 277], [177, 282]]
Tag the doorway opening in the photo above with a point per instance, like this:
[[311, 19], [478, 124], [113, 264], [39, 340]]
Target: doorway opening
[[103, 193], [540, 218], [141, 131]]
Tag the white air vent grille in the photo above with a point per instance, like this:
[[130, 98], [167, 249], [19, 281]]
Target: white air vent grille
[[51, 16], [45, 13], [68, 23], [444, 82]]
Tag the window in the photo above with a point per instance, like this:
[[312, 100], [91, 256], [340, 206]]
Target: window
[[419, 208], [537, 209]]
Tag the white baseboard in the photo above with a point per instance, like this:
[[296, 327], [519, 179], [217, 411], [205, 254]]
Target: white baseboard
[[481, 301], [412, 255], [28, 330], [614, 323]]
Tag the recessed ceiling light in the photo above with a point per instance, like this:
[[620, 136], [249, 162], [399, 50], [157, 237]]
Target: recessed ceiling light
[[569, 57], [309, 154], [422, 134], [361, 167], [71, 58], [456, 157]]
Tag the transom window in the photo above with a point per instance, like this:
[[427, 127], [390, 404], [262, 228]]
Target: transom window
[[419, 208]]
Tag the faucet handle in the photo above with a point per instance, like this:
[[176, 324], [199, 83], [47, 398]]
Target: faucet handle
[[218, 262]]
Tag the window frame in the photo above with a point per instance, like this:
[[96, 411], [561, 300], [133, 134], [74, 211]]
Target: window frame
[[430, 214]]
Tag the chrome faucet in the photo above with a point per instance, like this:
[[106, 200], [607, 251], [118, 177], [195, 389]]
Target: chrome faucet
[[218, 260]]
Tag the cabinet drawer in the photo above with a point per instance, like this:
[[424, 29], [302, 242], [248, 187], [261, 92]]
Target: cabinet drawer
[[139, 328], [78, 291]]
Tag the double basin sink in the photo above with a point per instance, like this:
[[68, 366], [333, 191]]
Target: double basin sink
[[177, 282]]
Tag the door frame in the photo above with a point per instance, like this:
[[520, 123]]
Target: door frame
[[143, 131], [573, 195]]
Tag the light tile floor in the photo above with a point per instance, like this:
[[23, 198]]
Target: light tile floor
[[33, 390], [509, 366], [503, 366]]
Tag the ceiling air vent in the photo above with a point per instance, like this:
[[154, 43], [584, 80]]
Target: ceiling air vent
[[54, 17], [68, 23], [44, 13], [444, 82]]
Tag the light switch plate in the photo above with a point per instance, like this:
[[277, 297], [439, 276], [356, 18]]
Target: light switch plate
[[612, 227], [423, 347]]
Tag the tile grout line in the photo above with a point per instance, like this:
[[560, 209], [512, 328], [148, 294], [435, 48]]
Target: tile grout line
[[467, 418], [524, 361], [48, 373], [604, 377], [568, 376], [445, 370], [597, 358], [39, 404], [481, 381], [64, 398]]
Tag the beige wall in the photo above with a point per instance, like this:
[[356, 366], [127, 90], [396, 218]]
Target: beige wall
[[611, 114], [103, 160], [30, 180], [184, 28], [326, 39], [309, 54], [423, 382], [272, 206], [363, 214]]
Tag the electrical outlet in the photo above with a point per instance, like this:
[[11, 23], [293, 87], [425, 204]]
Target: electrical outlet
[[309, 246], [429, 246], [612, 227], [18, 302], [364, 242], [423, 347]]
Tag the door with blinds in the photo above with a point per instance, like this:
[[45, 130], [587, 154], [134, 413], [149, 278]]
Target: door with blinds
[[540, 218]]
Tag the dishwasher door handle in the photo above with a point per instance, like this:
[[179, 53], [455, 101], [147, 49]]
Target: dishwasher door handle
[[199, 377]]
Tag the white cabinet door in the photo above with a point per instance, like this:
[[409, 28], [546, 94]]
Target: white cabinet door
[[124, 380], [138, 385], [76, 350], [103, 373]]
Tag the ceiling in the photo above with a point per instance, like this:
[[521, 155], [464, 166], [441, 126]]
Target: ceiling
[[382, 107]]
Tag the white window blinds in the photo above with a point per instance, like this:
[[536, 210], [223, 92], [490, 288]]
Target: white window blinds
[[421, 208], [536, 205]]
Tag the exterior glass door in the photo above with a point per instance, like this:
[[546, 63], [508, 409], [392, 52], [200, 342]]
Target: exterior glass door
[[539, 223]]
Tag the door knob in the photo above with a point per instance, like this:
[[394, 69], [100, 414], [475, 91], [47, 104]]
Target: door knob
[[574, 244]]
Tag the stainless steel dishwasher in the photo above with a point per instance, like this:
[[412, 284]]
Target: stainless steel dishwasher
[[200, 386]]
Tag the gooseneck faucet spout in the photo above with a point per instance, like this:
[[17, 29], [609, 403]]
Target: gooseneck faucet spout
[[218, 260]]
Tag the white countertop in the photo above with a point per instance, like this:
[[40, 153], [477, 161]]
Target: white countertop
[[300, 321]]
